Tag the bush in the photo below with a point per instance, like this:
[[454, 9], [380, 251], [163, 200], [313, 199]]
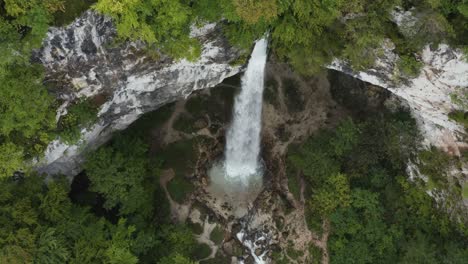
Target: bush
[[217, 235], [80, 115], [460, 117], [409, 66]]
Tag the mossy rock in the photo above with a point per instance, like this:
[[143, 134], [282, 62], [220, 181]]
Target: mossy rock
[[180, 188], [465, 190], [217, 235], [294, 184], [180, 156], [201, 251], [315, 254], [292, 253], [460, 117], [195, 227], [314, 221]]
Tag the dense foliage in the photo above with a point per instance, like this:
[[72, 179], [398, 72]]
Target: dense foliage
[[356, 180], [26, 109], [121, 217], [308, 34]]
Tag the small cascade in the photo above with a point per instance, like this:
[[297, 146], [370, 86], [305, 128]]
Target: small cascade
[[243, 137]]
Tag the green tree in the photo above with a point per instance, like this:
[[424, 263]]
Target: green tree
[[119, 249], [11, 159], [118, 173], [51, 248], [335, 193], [165, 23], [176, 259]]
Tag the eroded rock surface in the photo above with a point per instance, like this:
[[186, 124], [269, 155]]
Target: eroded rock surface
[[82, 60], [445, 72]]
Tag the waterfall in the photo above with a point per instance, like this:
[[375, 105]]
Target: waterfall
[[243, 137]]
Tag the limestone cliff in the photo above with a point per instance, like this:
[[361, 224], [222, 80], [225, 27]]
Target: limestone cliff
[[82, 60]]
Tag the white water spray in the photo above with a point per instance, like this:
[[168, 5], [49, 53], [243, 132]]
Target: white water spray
[[243, 137]]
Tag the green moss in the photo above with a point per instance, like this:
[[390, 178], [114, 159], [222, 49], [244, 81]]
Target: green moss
[[195, 227], [314, 221], [179, 188], [292, 253], [80, 115], [217, 235], [465, 190], [316, 254], [279, 258], [435, 164], [409, 66], [460, 117], [294, 185], [72, 10], [180, 156], [241, 59], [201, 251]]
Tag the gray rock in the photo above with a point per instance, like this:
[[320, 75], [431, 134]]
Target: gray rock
[[82, 60]]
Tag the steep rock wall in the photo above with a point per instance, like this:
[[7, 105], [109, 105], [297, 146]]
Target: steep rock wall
[[81, 60], [445, 72]]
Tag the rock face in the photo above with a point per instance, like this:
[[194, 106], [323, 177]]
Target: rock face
[[83, 61], [445, 72]]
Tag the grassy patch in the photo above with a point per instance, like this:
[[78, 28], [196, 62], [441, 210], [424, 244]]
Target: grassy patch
[[409, 66], [279, 258], [292, 253], [80, 115], [435, 164], [179, 188], [465, 190], [294, 185], [460, 117], [217, 235], [201, 251], [316, 254], [180, 156], [314, 221], [195, 227], [72, 10]]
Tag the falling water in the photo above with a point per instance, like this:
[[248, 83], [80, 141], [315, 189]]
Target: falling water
[[243, 137]]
